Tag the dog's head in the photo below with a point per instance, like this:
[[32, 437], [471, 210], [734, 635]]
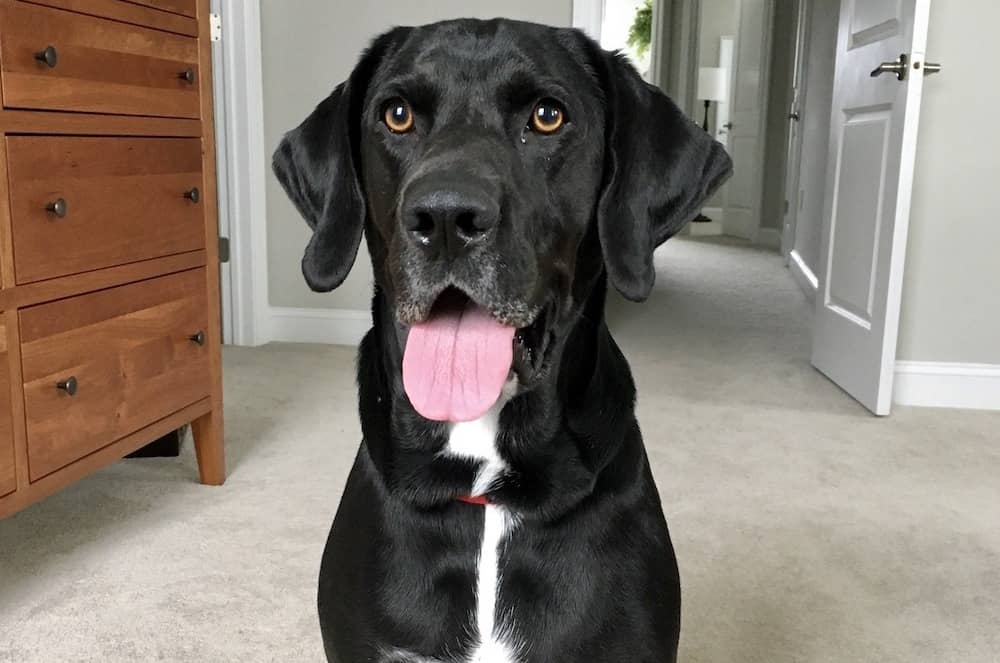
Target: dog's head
[[497, 169]]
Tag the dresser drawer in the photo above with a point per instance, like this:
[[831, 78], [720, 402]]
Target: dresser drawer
[[182, 7], [95, 65], [79, 204], [8, 481], [100, 366], [178, 16]]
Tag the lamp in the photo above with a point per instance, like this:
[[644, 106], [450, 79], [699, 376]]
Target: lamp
[[713, 85]]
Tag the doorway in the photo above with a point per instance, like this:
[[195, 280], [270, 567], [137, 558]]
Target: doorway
[[631, 26], [823, 155]]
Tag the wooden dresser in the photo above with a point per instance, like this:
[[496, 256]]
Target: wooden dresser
[[109, 331]]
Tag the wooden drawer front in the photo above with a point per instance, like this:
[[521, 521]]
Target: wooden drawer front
[[101, 66], [183, 7], [8, 481], [130, 352], [124, 201], [178, 16]]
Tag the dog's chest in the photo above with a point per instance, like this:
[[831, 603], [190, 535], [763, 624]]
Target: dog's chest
[[497, 640]]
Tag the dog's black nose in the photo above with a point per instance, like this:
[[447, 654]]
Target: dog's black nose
[[450, 216]]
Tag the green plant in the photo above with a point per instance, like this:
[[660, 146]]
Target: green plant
[[640, 34]]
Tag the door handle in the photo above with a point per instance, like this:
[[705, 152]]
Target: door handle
[[930, 68], [727, 125], [898, 67]]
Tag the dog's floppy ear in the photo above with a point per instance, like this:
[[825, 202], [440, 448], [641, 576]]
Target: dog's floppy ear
[[317, 164], [659, 168]]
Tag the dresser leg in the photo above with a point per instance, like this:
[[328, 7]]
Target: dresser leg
[[209, 448]]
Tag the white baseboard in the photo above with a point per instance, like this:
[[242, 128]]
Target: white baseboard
[[803, 275], [314, 325], [942, 384], [768, 237], [917, 383], [707, 228]]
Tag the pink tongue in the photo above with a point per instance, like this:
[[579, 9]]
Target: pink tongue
[[456, 362]]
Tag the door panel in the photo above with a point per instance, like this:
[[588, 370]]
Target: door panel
[[874, 21], [873, 142], [855, 227]]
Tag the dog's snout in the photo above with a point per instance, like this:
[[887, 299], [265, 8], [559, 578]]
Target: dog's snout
[[449, 216]]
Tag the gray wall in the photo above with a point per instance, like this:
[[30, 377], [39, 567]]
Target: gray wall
[[779, 97], [951, 291], [719, 18], [309, 46], [823, 19]]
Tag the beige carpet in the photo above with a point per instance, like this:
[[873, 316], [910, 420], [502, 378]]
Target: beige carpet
[[807, 530]]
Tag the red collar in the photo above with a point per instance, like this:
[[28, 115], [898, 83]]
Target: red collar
[[478, 500]]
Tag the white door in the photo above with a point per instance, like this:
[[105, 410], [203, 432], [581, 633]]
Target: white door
[[873, 137], [747, 114], [723, 119]]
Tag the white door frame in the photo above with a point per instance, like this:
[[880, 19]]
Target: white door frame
[[239, 102], [222, 182], [588, 15], [682, 79], [793, 155]]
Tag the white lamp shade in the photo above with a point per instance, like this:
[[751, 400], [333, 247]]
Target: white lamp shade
[[713, 84]]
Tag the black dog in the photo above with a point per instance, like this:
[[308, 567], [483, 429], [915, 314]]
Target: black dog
[[501, 508]]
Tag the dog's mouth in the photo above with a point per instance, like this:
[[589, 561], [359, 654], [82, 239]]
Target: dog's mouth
[[458, 361]]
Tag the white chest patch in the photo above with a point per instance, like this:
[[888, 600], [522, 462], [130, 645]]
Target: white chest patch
[[477, 440], [495, 641]]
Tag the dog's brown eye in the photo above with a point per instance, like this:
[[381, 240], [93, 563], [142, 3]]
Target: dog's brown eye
[[398, 116], [547, 117]]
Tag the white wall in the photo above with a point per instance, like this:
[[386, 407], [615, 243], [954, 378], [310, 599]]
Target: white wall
[[951, 291], [309, 46]]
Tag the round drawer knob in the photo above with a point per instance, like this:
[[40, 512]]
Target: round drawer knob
[[188, 76], [68, 385], [59, 207], [49, 56], [194, 195], [198, 338]]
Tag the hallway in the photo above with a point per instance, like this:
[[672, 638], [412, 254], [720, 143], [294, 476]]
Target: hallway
[[727, 319], [807, 530]]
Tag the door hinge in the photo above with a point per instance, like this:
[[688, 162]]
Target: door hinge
[[223, 249], [215, 27], [786, 206]]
